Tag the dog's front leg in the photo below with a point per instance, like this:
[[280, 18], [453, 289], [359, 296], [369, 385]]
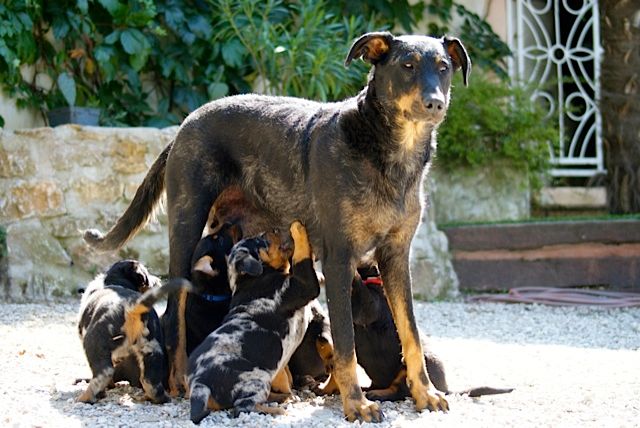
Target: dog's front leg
[[338, 276], [393, 261]]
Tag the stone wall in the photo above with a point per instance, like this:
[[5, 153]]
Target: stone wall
[[56, 182]]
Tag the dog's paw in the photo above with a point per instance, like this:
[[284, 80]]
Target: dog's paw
[[430, 399], [362, 410]]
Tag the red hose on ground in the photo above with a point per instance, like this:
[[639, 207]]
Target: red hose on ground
[[563, 297]]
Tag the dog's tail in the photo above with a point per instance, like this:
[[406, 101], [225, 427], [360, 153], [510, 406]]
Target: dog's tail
[[139, 211], [482, 390], [199, 398], [133, 323]]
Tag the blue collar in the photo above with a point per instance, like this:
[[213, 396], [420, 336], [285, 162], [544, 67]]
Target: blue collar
[[216, 297]]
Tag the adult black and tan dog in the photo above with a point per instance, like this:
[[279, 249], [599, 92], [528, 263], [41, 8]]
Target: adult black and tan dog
[[350, 171]]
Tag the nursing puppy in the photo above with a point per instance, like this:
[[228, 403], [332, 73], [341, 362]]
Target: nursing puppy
[[205, 308], [238, 363], [121, 333], [378, 347]]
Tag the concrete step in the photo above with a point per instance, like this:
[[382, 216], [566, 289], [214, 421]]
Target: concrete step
[[547, 254]]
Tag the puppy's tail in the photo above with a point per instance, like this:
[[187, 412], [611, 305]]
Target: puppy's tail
[[133, 323], [139, 211], [199, 399]]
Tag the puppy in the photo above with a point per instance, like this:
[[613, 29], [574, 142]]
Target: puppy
[[120, 330], [378, 348], [238, 364], [208, 305]]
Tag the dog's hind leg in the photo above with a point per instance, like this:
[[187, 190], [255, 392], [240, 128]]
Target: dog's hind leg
[[251, 393], [152, 371], [393, 260], [201, 402], [189, 198]]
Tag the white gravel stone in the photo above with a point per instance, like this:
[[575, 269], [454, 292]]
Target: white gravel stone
[[571, 367]]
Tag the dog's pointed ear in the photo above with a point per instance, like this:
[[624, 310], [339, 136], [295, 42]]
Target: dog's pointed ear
[[372, 47], [459, 56], [250, 266]]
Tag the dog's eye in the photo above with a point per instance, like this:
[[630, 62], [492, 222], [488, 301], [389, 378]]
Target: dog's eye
[[407, 66], [444, 68]]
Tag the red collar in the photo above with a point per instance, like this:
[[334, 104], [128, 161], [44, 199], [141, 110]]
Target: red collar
[[375, 280]]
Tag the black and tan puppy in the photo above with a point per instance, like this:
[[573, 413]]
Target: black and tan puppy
[[351, 171], [209, 303], [120, 330], [378, 345], [238, 363]]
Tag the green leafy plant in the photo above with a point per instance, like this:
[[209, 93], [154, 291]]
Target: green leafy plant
[[489, 120], [292, 47], [485, 47]]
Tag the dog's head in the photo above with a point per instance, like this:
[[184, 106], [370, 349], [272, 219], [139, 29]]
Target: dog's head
[[130, 274], [412, 74], [209, 261], [249, 256]]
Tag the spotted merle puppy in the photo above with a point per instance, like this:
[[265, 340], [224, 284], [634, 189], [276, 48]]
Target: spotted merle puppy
[[121, 333], [237, 365]]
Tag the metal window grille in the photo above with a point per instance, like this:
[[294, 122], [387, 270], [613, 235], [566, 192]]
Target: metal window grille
[[556, 45]]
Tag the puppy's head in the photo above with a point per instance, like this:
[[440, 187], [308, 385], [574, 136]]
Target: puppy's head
[[130, 274], [251, 255], [209, 261]]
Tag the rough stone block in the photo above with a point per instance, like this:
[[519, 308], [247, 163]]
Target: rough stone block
[[39, 198]]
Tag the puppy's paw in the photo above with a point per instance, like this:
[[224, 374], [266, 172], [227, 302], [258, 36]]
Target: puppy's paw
[[298, 232], [362, 410]]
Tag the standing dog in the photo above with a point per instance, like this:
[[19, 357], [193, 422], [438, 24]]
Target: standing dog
[[120, 330], [351, 171], [236, 364]]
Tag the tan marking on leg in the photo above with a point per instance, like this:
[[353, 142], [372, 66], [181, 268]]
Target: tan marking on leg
[[325, 350], [422, 390], [278, 397], [178, 374], [301, 246], [354, 403], [213, 404], [263, 408], [391, 390], [330, 386], [280, 382]]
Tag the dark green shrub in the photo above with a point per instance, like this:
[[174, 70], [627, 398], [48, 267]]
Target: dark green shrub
[[489, 120]]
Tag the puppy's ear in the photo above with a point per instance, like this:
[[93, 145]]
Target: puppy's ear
[[204, 265], [372, 47], [249, 266], [459, 56]]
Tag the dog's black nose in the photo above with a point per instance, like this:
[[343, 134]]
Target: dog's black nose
[[434, 104]]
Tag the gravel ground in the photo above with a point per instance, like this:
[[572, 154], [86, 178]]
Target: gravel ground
[[570, 367]]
